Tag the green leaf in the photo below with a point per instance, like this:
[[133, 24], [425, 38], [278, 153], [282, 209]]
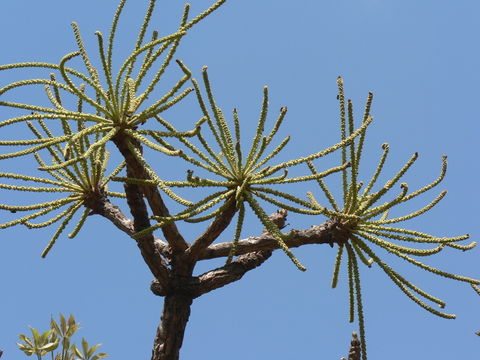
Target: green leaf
[[63, 324], [85, 346], [72, 326], [27, 350], [54, 326], [36, 335], [77, 352], [92, 350], [25, 339], [50, 346], [44, 337], [66, 342], [99, 356]]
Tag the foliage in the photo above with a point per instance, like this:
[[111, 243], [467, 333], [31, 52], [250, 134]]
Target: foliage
[[116, 100], [78, 168], [60, 334], [83, 183], [364, 219]]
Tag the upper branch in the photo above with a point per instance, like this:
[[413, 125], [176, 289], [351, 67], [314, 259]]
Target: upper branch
[[211, 233], [135, 170], [146, 243], [139, 211]]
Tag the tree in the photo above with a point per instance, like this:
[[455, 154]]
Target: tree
[[244, 174]]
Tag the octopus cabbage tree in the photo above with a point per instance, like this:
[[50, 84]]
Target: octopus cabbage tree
[[102, 127]]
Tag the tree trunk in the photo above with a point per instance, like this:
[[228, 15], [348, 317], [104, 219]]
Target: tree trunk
[[169, 338]]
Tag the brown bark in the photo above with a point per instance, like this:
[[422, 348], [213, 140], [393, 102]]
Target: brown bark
[[151, 193], [354, 352], [170, 332], [232, 272], [329, 232], [139, 211], [101, 205], [213, 231], [179, 296]]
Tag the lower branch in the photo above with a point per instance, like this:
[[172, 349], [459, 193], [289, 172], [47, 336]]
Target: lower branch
[[182, 288], [232, 272]]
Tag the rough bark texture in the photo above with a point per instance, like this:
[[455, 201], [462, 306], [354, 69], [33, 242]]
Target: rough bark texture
[[139, 211], [329, 232], [169, 338], [151, 193], [232, 272]]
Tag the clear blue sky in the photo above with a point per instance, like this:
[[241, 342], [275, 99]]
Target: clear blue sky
[[421, 60]]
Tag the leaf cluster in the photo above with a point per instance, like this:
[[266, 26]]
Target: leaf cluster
[[82, 183], [59, 338], [365, 220], [116, 101], [108, 105]]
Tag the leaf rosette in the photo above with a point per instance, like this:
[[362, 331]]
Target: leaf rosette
[[363, 219], [84, 182], [117, 102]]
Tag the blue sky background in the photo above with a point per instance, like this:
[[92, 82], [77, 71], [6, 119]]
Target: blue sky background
[[421, 61]]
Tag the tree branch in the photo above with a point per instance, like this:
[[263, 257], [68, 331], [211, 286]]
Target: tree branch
[[218, 225], [102, 206], [232, 272], [147, 242], [135, 170], [196, 286], [328, 233], [141, 221]]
